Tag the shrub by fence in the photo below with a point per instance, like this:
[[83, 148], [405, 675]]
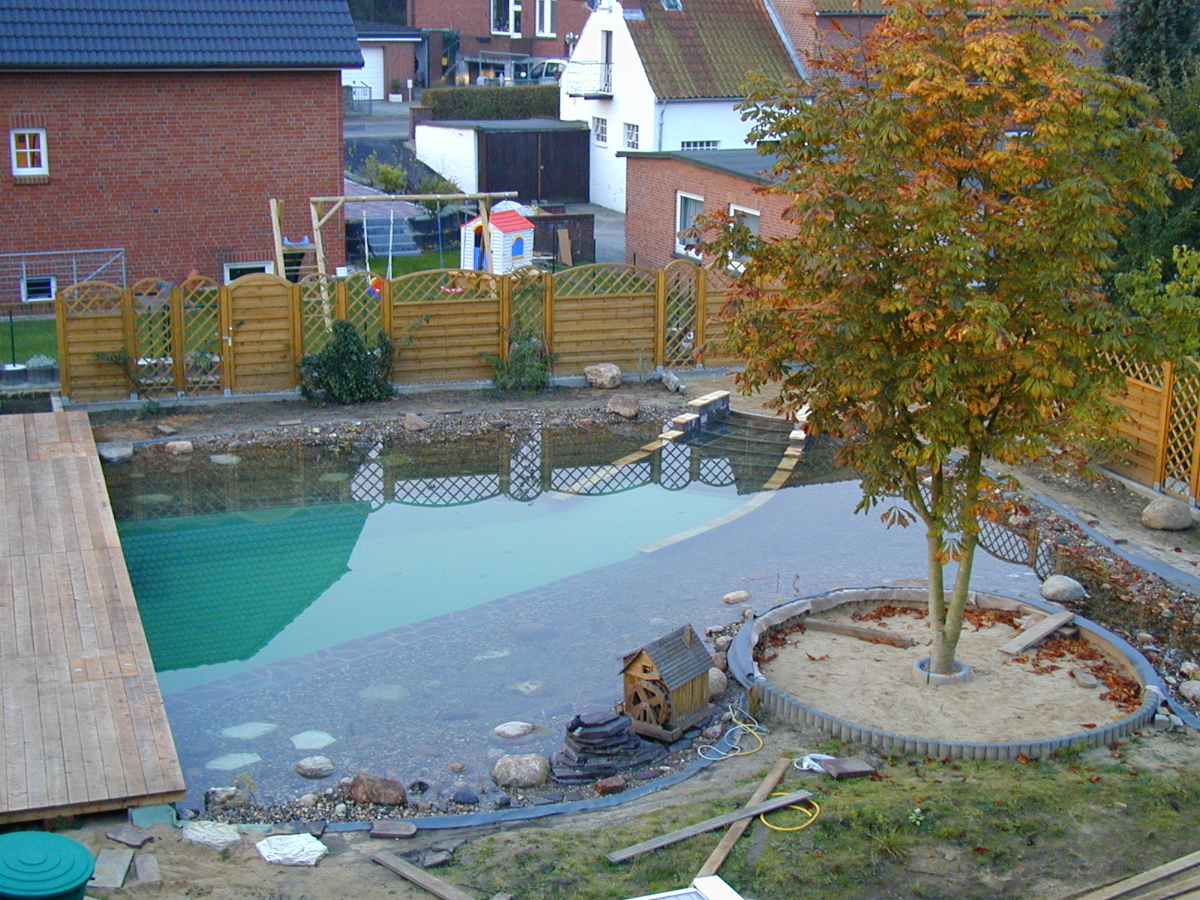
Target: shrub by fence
[[158, 339], [526, 101]]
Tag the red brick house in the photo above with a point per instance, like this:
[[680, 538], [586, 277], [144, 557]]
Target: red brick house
[[491, 33], [666, 191], [146, 138]]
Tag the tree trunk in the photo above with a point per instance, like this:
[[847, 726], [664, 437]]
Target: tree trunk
[[946, 618]]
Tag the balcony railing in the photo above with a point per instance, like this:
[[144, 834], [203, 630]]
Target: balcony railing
[[588, 79]]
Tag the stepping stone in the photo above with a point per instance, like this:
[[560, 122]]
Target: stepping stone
[[211, 834], [111, 867], [232, 761], [384, 692], [130, 836], [146, 869], [392, 828], [248, 731], [312, 740], [224, 459], [1084, 678], [155, 814], [291, 850]]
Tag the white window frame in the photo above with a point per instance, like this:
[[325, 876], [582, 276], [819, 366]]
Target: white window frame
[[737, 263], [632, 136], [42, 151], [600, 130], [514, 17], [263, 266], [547, 18], [680, 247], [699, 145], [39, 297]]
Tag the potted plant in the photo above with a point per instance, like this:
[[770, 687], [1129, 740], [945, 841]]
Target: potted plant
[[396, 91]]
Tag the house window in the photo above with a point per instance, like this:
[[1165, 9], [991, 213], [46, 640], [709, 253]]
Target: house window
[[29, 156], [506, 17], [672, 5], [600, 129], [749, 218], [38, 288], [547, 18], [631, 136], [518, 248], [688, 208], [700, 145], [234, 271]]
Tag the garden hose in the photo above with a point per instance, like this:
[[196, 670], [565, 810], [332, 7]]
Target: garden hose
[[743, 723], [811, 813]]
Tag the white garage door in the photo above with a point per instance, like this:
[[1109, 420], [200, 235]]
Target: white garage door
[[370, 74]]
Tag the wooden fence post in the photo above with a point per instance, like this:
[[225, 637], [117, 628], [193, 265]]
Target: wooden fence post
[[548, 319], [387, 310], [297, 330], [1163, 424], [225, 317], [129, 327], [64, 345], [504, 326], [660, 318], [178, 350], [701, 307]]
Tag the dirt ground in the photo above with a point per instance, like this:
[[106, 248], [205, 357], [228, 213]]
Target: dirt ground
[[191, 871]]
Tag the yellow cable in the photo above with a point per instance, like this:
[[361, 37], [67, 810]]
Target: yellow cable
[[811, 813]]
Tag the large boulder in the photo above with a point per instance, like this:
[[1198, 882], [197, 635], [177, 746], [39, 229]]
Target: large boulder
[[1062, 589], [624, 405], [374, 789], [1167, 514], [603, 375], [521, 770]]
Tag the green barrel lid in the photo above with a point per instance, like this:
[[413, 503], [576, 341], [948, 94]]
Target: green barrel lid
[[36, 864]]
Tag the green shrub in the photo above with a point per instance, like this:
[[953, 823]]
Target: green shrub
[[388, 178], [525, 101], [527, 367], [347, 370]]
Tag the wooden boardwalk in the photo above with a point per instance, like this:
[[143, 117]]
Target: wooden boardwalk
[[82, 724]]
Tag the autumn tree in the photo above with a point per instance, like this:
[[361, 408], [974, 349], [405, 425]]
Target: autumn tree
[[957, 183]]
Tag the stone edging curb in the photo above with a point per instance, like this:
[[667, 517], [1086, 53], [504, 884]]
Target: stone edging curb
[[790, 709]]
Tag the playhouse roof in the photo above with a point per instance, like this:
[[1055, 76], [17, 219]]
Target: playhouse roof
[[679, 657], [506, 221]]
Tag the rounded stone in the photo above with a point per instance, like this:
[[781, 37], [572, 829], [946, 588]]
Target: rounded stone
[[521, 770], [736, 597], [1167, 514], [1190, 691], [314, 767], [1063, 589], [512, 730], [717, 683]]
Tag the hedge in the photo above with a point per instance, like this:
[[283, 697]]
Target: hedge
[[517, 102]]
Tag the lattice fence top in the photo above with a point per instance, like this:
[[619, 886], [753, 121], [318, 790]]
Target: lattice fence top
[[1145, 372], [91, 297], [450, 491], [604, 280], [445, 284], [151, 291]]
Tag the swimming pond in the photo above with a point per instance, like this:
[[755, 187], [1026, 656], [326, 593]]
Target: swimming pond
[[404, 600]]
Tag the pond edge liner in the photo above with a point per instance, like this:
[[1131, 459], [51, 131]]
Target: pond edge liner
[[544, 810], [790, 709]]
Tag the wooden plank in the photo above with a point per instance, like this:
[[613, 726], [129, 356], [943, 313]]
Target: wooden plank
[[1135, 882], [419, 877], [1181, 890], [674, 837], [871, 635], [1036, 632], [713, 864]]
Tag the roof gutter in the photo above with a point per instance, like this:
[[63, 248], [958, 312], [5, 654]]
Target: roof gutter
[[783, 36]]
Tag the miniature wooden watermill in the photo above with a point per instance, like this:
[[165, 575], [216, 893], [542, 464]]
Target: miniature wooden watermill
[[666, 685]]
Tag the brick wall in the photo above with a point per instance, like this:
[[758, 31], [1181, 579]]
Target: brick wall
[[472, 19], [177, 168], [650, 188]]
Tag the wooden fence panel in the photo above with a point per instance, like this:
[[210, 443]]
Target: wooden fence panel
[[616, 329], [92, 317], [1139, 427], [448, 346], [265, 334]]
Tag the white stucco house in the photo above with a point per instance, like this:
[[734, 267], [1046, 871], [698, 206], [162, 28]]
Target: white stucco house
[[662, 75]]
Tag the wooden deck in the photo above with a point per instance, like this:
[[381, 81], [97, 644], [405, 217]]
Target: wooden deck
[[82, 724]]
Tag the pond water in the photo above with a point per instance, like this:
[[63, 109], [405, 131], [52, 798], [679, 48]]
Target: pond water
[[403, 600]]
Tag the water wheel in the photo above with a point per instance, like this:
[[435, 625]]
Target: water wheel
[[649, 702]]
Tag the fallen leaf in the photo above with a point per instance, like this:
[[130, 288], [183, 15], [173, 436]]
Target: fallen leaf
[[1088, 725]]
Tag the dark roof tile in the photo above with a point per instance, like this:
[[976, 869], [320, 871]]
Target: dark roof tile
[[159, 34]]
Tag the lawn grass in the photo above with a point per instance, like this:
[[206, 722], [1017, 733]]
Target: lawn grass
[[422, 262], [32, 337], [1087, 819]]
